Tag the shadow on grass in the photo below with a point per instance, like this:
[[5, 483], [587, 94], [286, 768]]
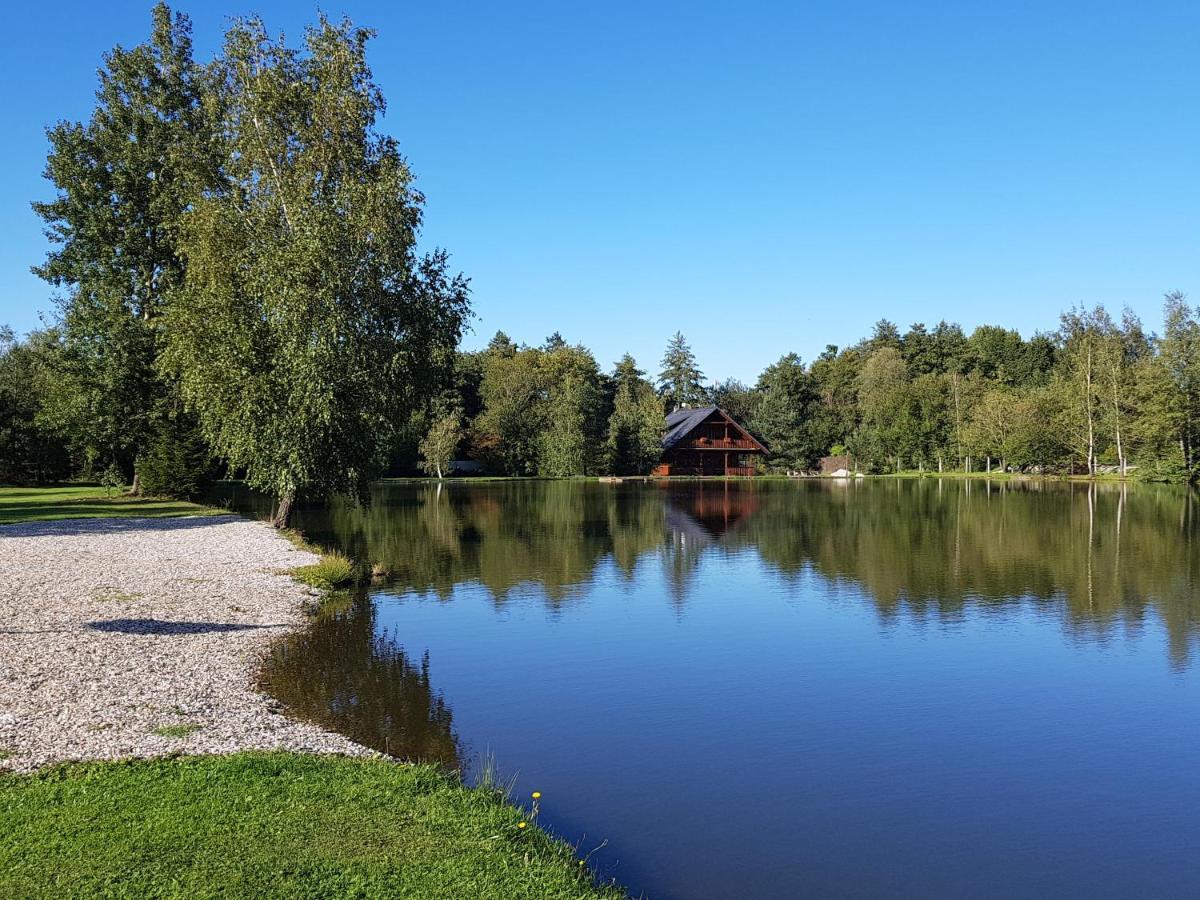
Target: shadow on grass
[[86, 523], [164, 627]]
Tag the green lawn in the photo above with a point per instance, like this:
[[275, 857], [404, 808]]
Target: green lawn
[[87, 502], [272, 824]]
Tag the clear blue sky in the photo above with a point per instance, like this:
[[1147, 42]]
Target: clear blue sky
[[765, 180]]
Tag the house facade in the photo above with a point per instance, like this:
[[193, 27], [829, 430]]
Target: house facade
[[707, 441]]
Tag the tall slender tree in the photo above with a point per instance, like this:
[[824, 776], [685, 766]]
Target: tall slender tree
[[122, 181], [681, 383]]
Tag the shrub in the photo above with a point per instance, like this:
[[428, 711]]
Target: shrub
[[332, 571], [177, 463]]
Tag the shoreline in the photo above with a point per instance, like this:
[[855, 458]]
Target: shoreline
[[139, 755], [142, 637]]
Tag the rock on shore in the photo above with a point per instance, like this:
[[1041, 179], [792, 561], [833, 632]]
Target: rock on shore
[[142, 637]]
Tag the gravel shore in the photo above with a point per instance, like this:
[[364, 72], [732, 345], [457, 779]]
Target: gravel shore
[[142, 637]]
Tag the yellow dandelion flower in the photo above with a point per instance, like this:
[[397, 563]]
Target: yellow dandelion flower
[[537, 795], [522, 824]]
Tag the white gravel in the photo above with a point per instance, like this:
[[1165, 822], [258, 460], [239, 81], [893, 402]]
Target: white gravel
[[113, 628]]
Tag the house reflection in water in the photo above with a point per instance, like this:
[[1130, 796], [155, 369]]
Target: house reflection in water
[[699, 516]]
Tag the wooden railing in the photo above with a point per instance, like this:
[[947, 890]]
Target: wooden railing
[[704, 443]]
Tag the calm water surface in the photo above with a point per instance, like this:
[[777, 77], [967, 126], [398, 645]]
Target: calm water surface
[[885, 688]]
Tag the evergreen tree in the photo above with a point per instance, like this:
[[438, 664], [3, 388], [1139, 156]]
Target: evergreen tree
[[783, 415], [681, 383]]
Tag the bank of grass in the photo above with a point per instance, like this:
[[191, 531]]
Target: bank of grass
[[272, 824], [43, 504], [331, 571]]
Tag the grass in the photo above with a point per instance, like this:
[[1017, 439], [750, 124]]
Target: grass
[[181, 730], [272, 824], [44, 504], [333, 570]]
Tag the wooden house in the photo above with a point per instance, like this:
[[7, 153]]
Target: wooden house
[[707, 441]]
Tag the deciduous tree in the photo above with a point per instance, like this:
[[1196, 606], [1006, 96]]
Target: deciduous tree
[[306, 328]]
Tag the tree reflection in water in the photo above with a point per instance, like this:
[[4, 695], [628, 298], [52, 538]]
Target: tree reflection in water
[[346, 676], [1101, 558]]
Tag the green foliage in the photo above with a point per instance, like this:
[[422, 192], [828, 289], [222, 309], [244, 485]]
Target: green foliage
[[331, 571], [740, 401], [176, 462], [111, 480], [306, 330], [122, 179], [286, 824], [440, 442], [564, 448], [886, 403], [30, 453], [783, 415], [681, 383], [634, 440], [544, 409]]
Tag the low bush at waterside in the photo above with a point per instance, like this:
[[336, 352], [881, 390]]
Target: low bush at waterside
[[333, 570], [272, 824]]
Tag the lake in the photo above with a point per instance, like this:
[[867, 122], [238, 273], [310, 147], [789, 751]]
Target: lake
[[774, 689]]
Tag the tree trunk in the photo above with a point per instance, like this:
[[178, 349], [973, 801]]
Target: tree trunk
[[1090, 411], [989, 464], [135, 489], [283, 510], [438, 467], [1117, 422]]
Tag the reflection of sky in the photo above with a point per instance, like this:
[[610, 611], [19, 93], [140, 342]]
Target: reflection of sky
[[779, 731]]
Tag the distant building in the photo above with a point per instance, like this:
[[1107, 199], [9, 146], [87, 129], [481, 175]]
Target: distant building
[[838, 466], [707, 441]]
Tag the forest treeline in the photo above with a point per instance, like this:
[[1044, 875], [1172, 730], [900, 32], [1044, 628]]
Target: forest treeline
[[239, 291], [1097, 394]]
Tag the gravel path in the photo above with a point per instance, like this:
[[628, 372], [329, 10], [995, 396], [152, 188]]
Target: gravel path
[[111, 629]]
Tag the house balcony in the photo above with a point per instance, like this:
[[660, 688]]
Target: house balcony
[[704, 443]]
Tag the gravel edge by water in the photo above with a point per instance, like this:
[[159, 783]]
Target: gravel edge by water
[[142, 637]]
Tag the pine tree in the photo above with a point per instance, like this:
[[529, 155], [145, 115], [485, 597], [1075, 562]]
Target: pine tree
[[681, 383]]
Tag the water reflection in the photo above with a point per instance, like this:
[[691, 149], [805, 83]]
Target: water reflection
[[697, 672], [350, 677], [1104, 556]]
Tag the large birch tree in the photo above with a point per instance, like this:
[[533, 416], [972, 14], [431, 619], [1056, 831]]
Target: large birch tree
[[307, 328]]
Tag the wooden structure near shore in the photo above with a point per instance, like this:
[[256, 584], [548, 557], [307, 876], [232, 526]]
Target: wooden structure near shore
[[707, 441]]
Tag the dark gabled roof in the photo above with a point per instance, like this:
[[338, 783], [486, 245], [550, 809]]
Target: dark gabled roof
[[683, 421]]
